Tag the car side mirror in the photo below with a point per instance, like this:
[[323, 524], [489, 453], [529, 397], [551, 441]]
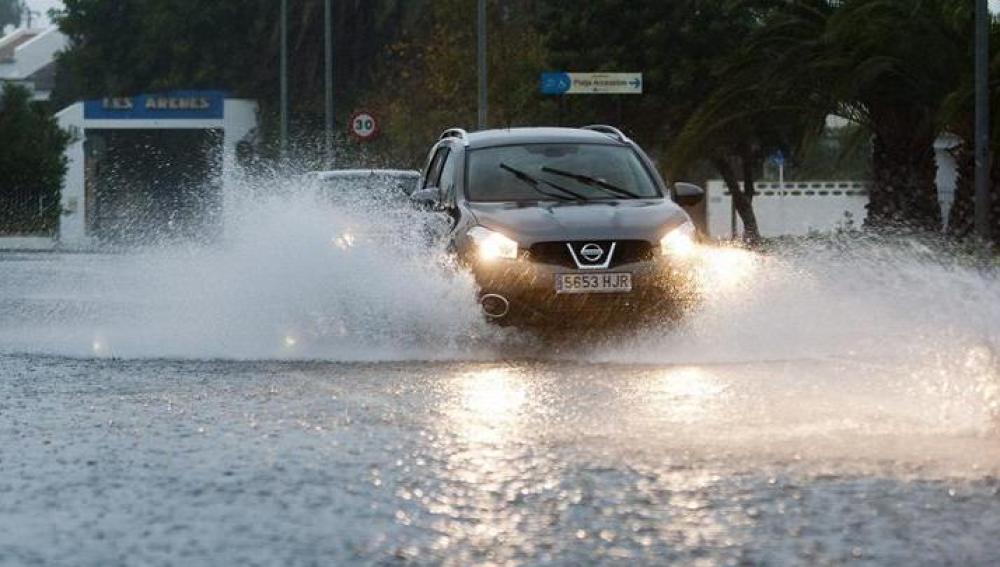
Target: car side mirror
[[426, 198], [688, 194]]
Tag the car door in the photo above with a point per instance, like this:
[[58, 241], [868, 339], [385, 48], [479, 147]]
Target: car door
[[437, 172]]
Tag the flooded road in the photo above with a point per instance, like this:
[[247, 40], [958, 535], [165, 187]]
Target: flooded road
[[272, 402], [161, 461]]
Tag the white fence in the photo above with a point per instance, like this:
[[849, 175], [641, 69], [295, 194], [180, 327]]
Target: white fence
[[797, 208]]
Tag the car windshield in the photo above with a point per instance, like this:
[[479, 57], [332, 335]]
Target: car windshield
[[549, 172]]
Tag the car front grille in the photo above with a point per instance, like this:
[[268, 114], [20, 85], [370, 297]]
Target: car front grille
[[558, 254]]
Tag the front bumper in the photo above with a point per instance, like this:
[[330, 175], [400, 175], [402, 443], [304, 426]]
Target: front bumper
[[659, 289]]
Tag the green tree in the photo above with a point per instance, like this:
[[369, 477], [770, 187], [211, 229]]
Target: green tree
[[433, 75], [32, 164], [899, 60], [132, 46], [696, 107], [752, 110], [887, 65], [10, 13]]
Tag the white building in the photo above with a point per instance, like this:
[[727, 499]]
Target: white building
[[148, 166], [27, 57], [138, 166]]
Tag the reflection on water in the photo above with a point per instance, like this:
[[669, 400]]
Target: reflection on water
[[503, 477], [490, 400], [682, 394], [481, 443]]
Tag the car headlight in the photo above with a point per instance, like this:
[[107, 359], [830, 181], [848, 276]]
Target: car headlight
[[491, 245], [679, 242]]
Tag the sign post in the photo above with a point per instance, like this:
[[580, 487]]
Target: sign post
[[482, 110], [328, 80], [778, 159], [283, 80]]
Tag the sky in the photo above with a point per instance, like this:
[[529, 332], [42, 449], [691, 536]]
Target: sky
[[43, 7]]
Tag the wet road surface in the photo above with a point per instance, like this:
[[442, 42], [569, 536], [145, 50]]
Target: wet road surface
[[216, 407], [159, 462]]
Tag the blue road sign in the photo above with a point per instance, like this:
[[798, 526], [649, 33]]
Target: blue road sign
[[591, 83], [778, 159], [555, 83]]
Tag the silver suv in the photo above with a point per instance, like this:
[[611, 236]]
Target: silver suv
[[562, 224]]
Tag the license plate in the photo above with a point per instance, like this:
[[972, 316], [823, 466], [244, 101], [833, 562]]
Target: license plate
[[617, 282]]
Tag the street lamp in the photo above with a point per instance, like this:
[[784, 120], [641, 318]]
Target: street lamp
[[982, 150], [284, 79], [481, 43], [328, 80]]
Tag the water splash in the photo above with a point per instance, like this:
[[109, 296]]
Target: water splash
[[300, 276], [295, 276]]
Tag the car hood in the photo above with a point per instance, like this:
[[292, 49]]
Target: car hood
[[531, 222]]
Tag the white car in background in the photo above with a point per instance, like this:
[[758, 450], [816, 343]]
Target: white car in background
[[371, 205], [364, 185]]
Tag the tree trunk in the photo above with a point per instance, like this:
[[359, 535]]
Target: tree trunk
[[741, 202], [904, 192], [751, 235]]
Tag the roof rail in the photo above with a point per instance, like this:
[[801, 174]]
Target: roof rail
[[610, 130], [456, 133]]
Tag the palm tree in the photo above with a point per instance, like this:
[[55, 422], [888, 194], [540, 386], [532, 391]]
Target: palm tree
[[885, 64], [898, 61], [758, 107]]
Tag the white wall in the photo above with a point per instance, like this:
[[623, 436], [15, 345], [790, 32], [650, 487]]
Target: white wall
[[72, 226], [817, 206], [802, 208]]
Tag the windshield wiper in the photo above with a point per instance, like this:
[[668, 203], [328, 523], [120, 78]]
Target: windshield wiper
[[534, 183], [593, 181]]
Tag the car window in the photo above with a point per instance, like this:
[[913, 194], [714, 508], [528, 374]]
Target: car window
[[434, 169], [589, 171], [447, 181]]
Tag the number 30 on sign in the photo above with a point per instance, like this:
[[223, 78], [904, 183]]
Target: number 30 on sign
[[364, 127]]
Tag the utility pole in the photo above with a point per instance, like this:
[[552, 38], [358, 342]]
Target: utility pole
[[284, 79], [982, 122], [27, 14], [481, 40], [328, 79]]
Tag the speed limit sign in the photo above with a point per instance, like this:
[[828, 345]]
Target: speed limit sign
[[364, 127]]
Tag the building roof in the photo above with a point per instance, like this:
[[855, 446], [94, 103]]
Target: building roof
[[27, 56], [10, 42]]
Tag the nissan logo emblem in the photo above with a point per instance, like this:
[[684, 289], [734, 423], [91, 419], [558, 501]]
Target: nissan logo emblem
[[591, 252]]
